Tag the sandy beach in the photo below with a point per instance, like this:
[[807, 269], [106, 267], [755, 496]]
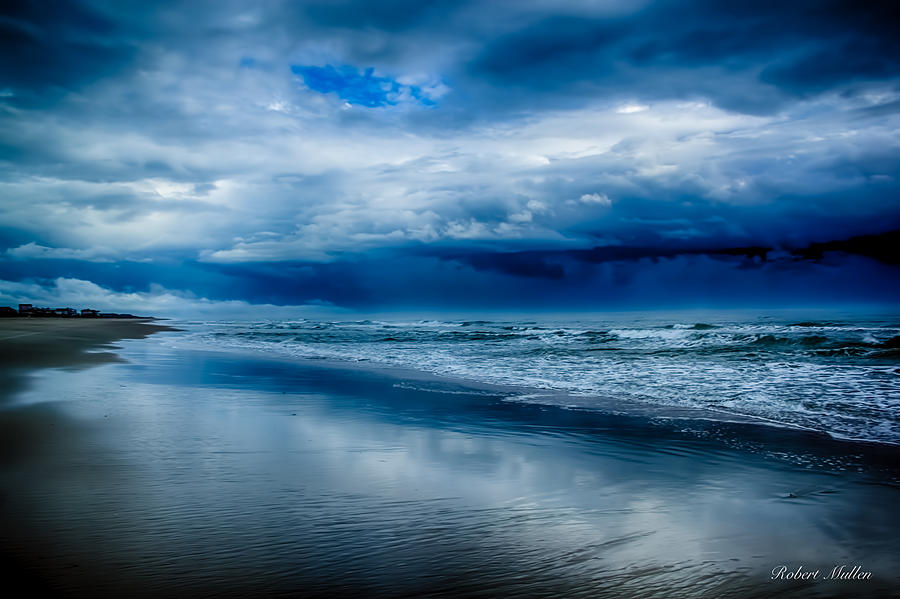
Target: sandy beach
[[161, 471], [30, 343]]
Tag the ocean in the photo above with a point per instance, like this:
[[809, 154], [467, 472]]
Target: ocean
[[837, 373]]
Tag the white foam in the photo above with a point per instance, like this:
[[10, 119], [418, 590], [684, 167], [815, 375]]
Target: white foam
[[782, 381]]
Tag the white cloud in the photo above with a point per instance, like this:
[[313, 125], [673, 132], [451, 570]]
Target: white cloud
[[596, 199], [524, 216], [536, 206], [472, 229], [271, 156], [31, 251], [632, 108]]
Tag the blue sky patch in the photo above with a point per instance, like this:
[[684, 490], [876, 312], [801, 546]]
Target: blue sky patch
[[359, 88]]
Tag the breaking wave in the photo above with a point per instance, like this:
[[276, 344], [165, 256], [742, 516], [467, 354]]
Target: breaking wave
[[840, 376]]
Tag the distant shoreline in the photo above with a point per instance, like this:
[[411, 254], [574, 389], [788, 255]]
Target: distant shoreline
[[30, 311]]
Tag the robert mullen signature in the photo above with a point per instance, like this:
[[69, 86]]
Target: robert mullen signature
[[842, 572]]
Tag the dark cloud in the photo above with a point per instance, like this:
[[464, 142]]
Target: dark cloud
[[388, 15], [883, 247], [551, 264], [531, 264], [556, 51], [49, 44], [635, 278], [743, 55], [826, 68]]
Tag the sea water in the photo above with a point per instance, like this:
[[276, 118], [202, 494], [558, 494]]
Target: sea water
[[838, 373]]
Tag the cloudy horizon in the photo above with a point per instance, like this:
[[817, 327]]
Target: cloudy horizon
[[366, 156]]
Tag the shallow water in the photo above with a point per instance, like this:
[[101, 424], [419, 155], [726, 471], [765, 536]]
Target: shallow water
[[827, 371], [197, 473]]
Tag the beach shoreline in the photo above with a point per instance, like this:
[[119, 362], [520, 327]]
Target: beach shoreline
[[30, 343], [744, 431], [775, 371]]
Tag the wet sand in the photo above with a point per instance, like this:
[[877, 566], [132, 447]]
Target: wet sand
[[195, 473], [27, 344]]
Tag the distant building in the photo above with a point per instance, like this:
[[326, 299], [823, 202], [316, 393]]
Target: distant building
[[32, 312]]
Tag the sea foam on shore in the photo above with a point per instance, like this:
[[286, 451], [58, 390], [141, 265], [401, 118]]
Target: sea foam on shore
[[837, 374]]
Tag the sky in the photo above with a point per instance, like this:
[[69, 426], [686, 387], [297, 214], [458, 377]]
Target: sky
[[351, 156]]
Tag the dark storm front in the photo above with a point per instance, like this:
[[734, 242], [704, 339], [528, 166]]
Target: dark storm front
[[837, 374]]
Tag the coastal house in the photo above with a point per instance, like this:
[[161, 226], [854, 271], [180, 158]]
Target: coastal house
[[30, 311]]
